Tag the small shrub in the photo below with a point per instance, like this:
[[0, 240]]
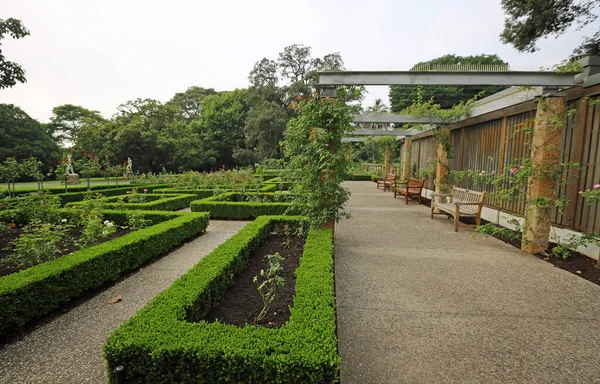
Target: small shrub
[[136, 220], [566, 249], [499, 232], [271, 282], [39, 242]]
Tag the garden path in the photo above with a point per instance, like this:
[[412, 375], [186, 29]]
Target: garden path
[[420, 303], [68, 349]]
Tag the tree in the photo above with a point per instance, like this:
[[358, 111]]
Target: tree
[[11, 72], [22, 137], [221, 125], [264, 73], [190, 101], [296, 62], [67, 119], [590, 46], [447, 96], [528, 21], [377, 108]]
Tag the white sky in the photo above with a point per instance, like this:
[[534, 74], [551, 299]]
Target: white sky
[[99, 54]]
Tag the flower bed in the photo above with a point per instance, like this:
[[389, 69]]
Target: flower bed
[[232, 205], [154, 202], [33, 292], [168, 341]]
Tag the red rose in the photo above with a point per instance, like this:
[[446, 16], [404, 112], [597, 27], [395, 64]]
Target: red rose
[[51, 167], [59, 162], [66, 159], [298, 98]]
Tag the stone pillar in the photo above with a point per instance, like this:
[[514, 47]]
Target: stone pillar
[[386, 161], [545, 151], [441, 166], [406, 159]]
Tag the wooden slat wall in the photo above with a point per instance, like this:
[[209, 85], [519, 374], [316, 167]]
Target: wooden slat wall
[[501, 143], [586, 217]]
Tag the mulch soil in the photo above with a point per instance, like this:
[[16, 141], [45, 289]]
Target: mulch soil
[[74, 235], [242, 302]]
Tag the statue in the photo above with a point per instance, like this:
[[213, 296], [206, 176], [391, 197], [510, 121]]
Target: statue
[[70, 169], [129, 165]]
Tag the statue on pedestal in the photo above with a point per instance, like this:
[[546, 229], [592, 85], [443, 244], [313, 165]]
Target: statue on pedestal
[[129, 170]]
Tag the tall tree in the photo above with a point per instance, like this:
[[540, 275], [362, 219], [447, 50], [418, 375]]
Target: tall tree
[[528, 21], [23, 136], [11, 72], [447, 96], [296, 63], [66, 121], [377, 107], [590, 46], [190, 101], [264, 73], [221, 124]]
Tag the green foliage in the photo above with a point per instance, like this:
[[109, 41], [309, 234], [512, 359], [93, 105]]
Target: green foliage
[[23, 137], [271, 281], [38, 243], [567, 248], [94, 228], [499, 232], [528, 21], [41, 207], [167, 341], [232, 205], [136, 220], [159, 202], [67, 119], [190, 101], [317, 159], [446, 97], [11, 72], [31, 293]]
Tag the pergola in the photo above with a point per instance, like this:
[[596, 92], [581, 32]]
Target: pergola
[[550, 85]]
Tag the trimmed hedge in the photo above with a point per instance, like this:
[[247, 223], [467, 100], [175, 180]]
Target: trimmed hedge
[[361, 177], [228, 206], [200, 193], [161, 345], [29, 294], [165, 202], [71, 197], [72, 188]]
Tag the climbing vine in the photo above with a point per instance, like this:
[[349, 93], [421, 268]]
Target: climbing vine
[[317, 158]]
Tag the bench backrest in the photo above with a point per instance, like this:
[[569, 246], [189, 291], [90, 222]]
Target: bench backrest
[[415, 182], [462, 195], [390, 176]]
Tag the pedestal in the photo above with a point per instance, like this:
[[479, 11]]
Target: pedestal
[[73, 178], [127, 175]]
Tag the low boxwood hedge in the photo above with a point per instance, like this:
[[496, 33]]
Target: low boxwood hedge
[[72, 188], [162, 202], [168, 342], [71, 197], [360, 177], [200, 193], [33, 292], [230, 206]]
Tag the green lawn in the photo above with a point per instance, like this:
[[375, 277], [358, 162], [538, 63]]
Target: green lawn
[[56, 183]]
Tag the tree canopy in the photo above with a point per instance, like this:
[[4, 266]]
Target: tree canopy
[[23, 137], [66, 121], [527, 22], [446, 96], [11, 73]]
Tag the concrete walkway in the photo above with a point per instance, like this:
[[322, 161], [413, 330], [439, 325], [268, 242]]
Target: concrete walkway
[[68, 349], [419, 303]]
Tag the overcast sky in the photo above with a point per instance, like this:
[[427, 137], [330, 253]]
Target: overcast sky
[[99, 54]]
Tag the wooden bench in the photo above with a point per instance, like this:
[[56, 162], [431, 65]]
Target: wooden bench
[[387, 181], [461, 202], [405, 188]]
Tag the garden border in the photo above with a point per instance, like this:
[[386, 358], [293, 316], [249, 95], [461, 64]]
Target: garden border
[[220, 208], [169, 202], [33, 292], [161, 344]]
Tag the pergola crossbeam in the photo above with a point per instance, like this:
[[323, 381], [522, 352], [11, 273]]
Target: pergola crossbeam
[[396, 119], [460, 78]]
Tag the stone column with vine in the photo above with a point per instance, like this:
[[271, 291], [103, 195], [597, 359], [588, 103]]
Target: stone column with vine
[[545, 170]]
